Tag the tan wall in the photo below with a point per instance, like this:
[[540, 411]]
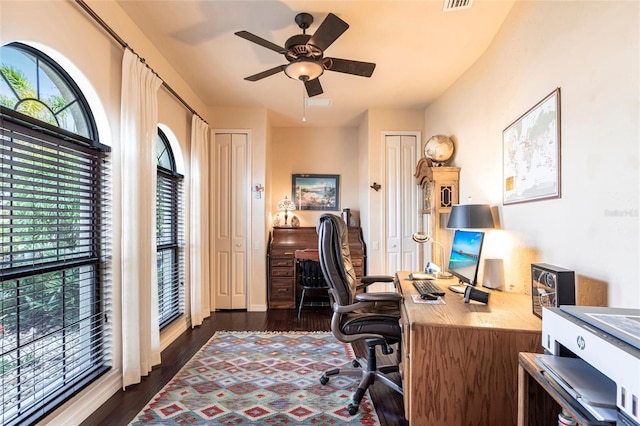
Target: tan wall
[[591, 51], [299, 150]]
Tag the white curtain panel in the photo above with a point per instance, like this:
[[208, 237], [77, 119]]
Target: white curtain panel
[[200, 307], [139, 127]]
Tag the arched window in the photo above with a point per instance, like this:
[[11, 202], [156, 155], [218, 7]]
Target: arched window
[[36, 86], [53, 250], [169, 234]]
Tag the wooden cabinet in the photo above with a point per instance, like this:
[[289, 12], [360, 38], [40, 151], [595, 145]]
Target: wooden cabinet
[[460, 360], [440, 191], [283, 243]]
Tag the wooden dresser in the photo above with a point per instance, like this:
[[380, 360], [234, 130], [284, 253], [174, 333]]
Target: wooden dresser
[[283, 243]]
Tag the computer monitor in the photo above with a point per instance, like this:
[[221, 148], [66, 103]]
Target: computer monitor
[[465, 257]]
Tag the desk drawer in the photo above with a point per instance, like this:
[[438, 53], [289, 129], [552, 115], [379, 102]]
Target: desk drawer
[[282, 262], [282, 294], [282, 272], [281, 289]]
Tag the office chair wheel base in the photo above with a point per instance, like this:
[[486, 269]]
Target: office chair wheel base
[[354, 404], [324, 379]]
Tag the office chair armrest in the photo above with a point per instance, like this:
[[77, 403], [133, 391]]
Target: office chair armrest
[[378, 297], [370, 279]]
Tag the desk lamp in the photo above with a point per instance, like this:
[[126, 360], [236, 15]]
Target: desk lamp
[[469, 216], [285, 204], [422, 238]]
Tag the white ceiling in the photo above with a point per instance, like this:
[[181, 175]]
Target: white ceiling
[[419, 51]]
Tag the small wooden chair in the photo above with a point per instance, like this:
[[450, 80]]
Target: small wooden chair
[[308, 273]]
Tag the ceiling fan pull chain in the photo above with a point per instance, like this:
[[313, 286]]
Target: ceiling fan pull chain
[[304, 105]]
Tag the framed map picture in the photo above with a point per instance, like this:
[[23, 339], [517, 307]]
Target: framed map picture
[[316, 192], [531, 153]]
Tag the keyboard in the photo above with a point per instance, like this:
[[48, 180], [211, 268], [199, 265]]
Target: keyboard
[[427, 286]]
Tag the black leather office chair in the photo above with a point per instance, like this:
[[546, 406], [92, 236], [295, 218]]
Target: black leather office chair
[[373, 317]]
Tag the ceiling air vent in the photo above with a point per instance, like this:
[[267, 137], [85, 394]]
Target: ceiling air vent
[[451, 5], [317, 102]]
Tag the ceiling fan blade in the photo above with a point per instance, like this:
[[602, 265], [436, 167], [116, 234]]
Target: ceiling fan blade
[[266, 73], [331, 28], [347, 66], [313, 87], [262, 42]]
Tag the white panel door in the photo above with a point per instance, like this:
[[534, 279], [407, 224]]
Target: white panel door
[[393, 207], [401, 202], [229, 224], [409, 213]]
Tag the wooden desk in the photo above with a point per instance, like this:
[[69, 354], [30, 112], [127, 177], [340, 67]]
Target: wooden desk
[[283, 243], [460, 361]]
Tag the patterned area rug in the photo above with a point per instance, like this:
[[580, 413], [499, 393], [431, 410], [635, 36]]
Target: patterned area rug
[[247, 378]]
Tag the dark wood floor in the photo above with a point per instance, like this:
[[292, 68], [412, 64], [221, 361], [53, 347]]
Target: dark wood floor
[[121, 408]]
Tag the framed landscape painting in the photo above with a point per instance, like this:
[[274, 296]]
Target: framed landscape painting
[[531, 153], [316, 192]]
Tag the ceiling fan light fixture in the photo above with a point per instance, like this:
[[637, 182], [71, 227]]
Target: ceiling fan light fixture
[[304, 70]]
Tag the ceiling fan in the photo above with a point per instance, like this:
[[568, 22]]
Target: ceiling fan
[[305, 53]]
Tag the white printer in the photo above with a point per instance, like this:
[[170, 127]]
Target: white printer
[[608, 339]]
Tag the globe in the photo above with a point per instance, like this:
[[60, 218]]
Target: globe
[[439, 149]]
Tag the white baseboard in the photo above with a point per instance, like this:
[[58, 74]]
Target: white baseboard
[[173, 331], [76, 410], [257, 308]]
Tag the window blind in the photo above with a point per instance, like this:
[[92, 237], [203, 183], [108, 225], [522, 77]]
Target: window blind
[[54, 242], [170, 246]]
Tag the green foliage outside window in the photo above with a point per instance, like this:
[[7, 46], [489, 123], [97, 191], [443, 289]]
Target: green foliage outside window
[[27, 101]]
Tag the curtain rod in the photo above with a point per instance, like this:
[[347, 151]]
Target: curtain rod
[[125, 45]]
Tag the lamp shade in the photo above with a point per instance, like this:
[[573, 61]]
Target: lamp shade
[[470, 216], [303, 69], [421, 238], [285, 204]]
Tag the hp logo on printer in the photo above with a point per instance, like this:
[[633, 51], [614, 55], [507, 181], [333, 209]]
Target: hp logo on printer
[[581, 343]]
